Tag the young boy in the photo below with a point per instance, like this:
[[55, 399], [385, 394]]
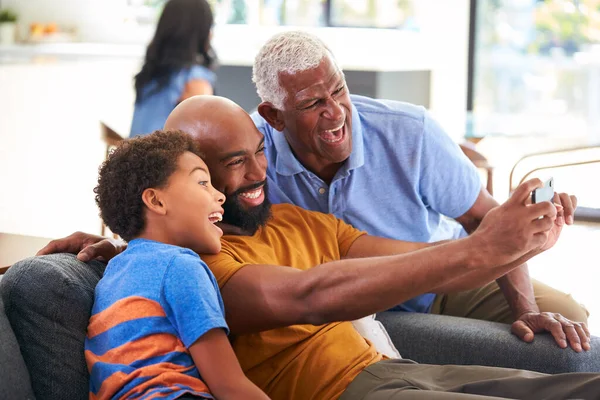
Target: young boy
[[157, 328]]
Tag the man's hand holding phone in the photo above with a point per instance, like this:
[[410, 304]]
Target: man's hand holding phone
[[545, 193], [565, 208]]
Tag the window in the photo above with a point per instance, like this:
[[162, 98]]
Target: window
[[537, 68], [394, 14], [373, 13]]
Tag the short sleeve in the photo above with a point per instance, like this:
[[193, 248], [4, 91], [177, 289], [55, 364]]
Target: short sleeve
[[223, 265], [346, 235], [192, 300], [449, 182]]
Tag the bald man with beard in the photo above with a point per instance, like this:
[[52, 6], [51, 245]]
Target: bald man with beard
[[292, 278]]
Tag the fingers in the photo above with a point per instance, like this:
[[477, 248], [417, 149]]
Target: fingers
[[556, 330], [560, 216], [522, 331], [523, 192], [64, 245], [564, 331], [571, 332], [541, 225], [94, 251], [569, 204], [47, 249], [584, 327], [585, 339]]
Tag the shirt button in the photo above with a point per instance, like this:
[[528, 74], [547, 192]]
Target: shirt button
[[322, 190]]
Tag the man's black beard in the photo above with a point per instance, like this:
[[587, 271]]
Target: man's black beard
[[248, 219]]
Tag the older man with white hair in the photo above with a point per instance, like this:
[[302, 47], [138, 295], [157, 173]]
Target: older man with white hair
[[388, 168]]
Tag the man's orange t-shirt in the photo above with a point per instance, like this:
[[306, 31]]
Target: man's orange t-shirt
[[298, 362]]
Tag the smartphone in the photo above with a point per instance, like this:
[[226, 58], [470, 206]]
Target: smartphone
[[545, 193]]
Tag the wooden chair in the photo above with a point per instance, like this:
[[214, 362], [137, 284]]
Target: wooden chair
[[110, 137], [481, 163]]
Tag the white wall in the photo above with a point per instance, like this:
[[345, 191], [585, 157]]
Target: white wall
[[442, 43], [446, 33], [50, 146]]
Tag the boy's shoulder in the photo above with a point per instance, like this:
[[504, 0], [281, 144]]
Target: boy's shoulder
[[146, 246], [155, 255]]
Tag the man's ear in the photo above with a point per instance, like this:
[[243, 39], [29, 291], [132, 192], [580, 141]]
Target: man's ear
[[272, 115], [152, 198]]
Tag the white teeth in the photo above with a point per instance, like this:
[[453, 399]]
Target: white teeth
[[333, 140], [336, 129], [252, 195], [216, 215]]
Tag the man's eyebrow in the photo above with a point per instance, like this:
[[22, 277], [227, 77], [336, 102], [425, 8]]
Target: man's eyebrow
[[339, 81], [307, 100], [198, 168], [233, 154], [240, 152]]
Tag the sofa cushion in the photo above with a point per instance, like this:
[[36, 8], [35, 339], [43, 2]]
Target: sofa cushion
[[15, 383], [48, 301], [441, 339]]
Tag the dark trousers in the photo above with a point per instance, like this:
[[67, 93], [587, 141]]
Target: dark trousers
[[405, 379]]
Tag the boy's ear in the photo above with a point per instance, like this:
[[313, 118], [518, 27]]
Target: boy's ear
[[272, 115], [152, 198]]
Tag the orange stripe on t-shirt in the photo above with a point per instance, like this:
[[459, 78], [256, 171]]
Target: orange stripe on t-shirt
[[141, 349], [126, 309], [196, 385], [164, 375]]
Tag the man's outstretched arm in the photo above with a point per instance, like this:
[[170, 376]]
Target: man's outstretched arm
[[261, 297]]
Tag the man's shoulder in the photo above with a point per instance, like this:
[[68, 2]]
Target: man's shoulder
[[369, 107], [285, 210]]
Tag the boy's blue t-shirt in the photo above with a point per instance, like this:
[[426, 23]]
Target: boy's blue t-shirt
[[153, 302], [152, 112]]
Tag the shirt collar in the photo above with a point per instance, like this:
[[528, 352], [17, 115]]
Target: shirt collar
[[287, 164]]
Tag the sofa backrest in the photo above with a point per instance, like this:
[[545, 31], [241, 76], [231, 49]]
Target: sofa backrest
[[48, 301]]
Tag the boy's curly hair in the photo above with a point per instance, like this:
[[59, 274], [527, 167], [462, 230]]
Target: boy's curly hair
[[134, 166]]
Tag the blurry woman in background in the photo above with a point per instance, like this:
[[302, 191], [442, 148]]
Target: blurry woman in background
[[178, 64]]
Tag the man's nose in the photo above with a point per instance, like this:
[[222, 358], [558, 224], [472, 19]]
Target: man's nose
[[257, 170], [334, 110]]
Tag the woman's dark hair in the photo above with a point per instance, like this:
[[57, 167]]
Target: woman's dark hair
[[136, 165], [182, 39]]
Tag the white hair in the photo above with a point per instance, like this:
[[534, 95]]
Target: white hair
[[288, 52]]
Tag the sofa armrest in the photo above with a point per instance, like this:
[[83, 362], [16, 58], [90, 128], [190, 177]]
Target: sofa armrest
[[440, 339], [15, 382], [48, 301]]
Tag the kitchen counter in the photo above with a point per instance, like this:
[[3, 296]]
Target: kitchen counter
[[237, 45]]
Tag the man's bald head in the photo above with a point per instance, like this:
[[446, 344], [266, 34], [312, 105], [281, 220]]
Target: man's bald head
[[233, 150], [207, 117]]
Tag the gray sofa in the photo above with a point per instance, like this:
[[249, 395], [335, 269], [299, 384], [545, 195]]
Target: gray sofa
[[45, 304]]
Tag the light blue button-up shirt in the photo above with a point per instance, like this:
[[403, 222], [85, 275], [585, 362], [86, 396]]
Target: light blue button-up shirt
[[403, 176]]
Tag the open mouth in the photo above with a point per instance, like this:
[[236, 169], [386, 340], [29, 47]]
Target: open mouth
[[214, 218], [334, 136], [253, 197]]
